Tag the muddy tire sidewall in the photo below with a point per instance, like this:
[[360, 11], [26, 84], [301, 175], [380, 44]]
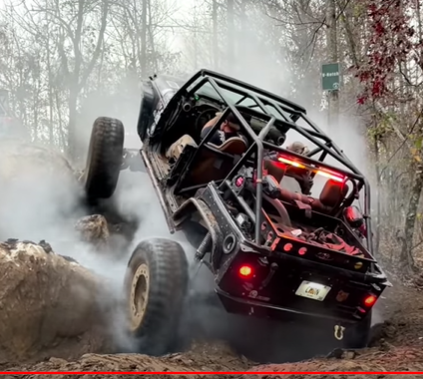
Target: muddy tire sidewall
[[155, 284], [104, 160]]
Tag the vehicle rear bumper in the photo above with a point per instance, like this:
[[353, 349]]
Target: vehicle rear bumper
[[257, 308]]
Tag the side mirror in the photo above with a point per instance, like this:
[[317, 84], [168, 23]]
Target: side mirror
[[354, 217]]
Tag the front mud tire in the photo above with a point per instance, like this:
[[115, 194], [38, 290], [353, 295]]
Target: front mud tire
[[104, 161], [155, 283]]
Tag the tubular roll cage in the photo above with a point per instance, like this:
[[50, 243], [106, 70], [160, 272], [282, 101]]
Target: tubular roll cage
[[262, 98]]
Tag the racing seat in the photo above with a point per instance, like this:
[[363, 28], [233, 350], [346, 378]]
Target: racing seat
[[214, 162], [175, 150], [333, 193]]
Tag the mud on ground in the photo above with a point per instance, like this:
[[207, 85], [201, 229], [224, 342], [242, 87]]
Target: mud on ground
[[398, 346]]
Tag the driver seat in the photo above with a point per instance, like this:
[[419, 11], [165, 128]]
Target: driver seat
[[233, 145], [215, 162]]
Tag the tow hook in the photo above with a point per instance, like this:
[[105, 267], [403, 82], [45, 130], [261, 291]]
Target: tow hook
[[339, 332]]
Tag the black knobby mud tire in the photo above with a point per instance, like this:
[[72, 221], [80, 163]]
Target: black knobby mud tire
[[158, 268], [104, 160], [358, 336]]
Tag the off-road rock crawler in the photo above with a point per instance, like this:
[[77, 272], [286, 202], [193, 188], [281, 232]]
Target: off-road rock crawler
[[155, 285], [104, 159], [274, 251]]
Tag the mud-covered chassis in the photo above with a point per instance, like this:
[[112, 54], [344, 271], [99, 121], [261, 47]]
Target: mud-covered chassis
[[157, 271]]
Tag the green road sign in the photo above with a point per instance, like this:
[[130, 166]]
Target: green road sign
[[330, 77]]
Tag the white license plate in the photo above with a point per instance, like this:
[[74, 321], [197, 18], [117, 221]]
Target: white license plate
[[312, 290]]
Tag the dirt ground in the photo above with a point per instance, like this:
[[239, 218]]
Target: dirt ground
[[397, 346]]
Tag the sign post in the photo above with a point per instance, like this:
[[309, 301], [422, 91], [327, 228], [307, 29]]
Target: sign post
[[331, 82]]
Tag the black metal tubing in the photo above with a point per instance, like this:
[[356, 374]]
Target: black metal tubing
[[309, 134], [281, 105], [252, 88], [306, 134], [241, 202], [312, 162], [258, 142]]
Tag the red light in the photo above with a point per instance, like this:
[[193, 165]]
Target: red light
[[370, 300], [245, 271], [288, 247], [290, 162], [323, 172], [331, 175], [239, 181], [302, 251]]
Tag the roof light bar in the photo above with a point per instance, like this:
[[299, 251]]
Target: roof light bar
[[322, 172]]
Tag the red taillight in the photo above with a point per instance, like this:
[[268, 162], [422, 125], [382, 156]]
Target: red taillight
[[370, 300], [245, 271], [288, 247]]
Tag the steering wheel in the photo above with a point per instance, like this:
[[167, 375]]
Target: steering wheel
[[206, 113]]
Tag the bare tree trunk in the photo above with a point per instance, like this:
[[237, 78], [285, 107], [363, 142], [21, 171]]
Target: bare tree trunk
[[144, 39], [151, 36], [81, 75], [419, 24], [215, 40], [350, 37], [50, 94], [231, 33], [378, 194], [332, 47], [406, 255]]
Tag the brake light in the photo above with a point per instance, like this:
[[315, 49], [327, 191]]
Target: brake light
[[370, 300], [245, 271], [288, 247], [331, 175]]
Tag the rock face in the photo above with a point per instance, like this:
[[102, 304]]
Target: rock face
[[21, 159], [93, 229], [49, 305]]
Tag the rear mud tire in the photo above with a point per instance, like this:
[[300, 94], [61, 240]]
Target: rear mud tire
[[358, 336], [104, 161], [156, 283]]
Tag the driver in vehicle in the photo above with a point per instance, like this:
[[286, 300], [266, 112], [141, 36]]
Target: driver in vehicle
[[301, 176], [229, 128]]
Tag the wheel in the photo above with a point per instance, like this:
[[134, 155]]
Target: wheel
[[358, 335], [155, 283], [104, 159]]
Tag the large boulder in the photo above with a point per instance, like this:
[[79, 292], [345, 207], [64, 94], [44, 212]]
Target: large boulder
[[94, 230], [50, 305]]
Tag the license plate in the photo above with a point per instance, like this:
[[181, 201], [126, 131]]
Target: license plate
[[315, 291]]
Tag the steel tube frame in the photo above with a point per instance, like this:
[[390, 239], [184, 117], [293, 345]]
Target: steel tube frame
[[219, 82]]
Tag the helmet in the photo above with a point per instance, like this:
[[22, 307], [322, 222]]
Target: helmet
[[298, 147]]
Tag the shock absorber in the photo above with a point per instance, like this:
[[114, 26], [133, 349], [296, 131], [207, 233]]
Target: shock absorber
[[204, 247]]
